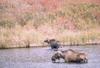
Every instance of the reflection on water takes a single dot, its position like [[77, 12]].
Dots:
[[41, 58]]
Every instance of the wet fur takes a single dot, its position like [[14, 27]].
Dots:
[[53, 43], [70, 56]]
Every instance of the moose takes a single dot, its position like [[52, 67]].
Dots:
[[70, 56], [53, 43]]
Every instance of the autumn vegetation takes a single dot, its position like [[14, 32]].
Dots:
[[25, 23]]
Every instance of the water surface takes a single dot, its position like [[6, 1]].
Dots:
[[41, 58]]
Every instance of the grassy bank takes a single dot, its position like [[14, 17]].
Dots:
[[24, 37], [70, 24]]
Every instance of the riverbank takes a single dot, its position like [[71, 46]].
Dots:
[[20, 37], [62, 45], [70, 23]]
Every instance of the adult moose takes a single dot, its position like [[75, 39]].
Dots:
[[70, 56]]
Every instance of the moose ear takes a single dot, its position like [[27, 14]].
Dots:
[[47, 41]]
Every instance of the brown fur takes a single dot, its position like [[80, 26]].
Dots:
[[71, 56]]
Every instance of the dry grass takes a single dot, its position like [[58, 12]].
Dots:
[[83, 37], [71, 24], [24, 37], [18, 37]]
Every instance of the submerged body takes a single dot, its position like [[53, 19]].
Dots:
[[70, 56], [54, 44]]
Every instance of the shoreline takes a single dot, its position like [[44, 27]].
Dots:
[[63, 45]]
